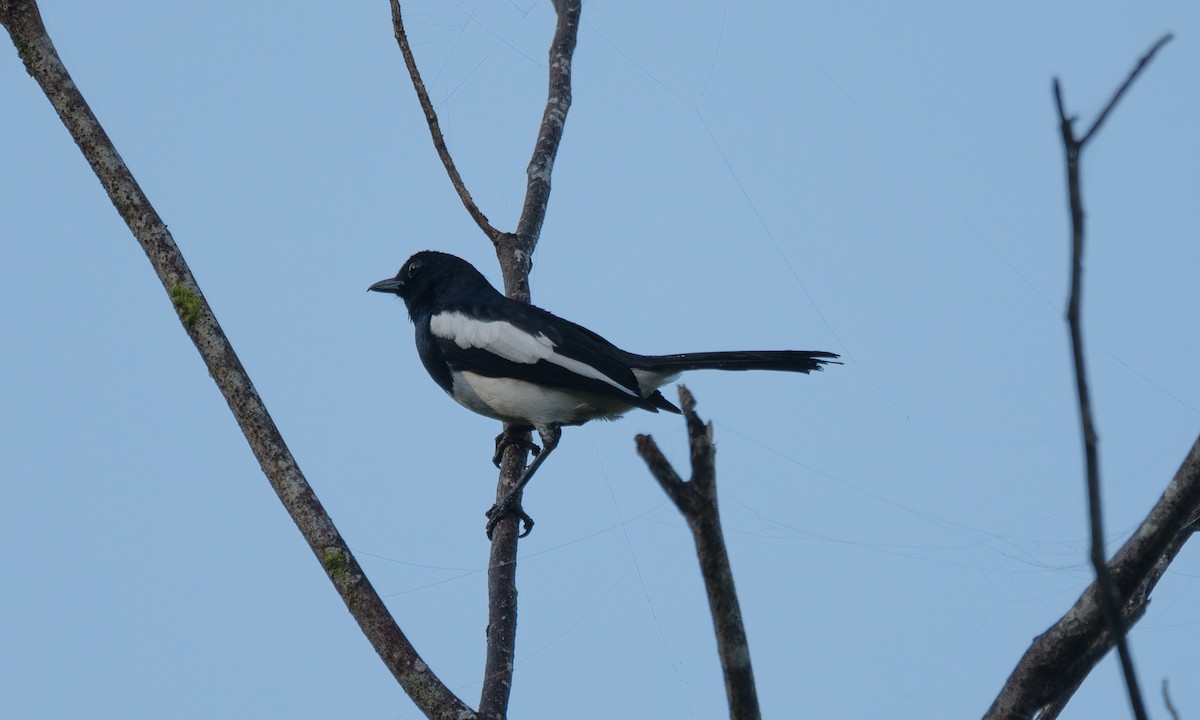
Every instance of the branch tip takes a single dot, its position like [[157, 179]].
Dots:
[[687, 401], [435, 130], [696, 499], [1133, 75]]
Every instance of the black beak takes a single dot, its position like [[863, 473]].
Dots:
[[391, 285]]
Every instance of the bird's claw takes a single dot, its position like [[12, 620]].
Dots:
[[504, 508], [505, 439]]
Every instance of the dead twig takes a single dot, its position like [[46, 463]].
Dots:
[[1110, 603], [435, 130], [1058, 660], [1167, 701], [697, 500]]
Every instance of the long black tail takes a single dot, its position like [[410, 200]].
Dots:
[[802, 361]]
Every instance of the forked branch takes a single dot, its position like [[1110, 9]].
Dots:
[[1058, 661], [514, 251], [1110, 602], [697, 500]]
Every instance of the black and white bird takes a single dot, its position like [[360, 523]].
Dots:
[[520, 364]]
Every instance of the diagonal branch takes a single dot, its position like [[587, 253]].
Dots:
[[435, 129], [1137, 70], [1099, 646], [23, 21], [1059, 659], [697, 500]]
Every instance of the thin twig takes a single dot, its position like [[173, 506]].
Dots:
[[1110, 602], [1116, 608], [435, 129], [1166, 691], [1142, 62], [697, 500], [23, 21]]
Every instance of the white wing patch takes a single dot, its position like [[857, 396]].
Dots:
[[511, 343], [499, 338]]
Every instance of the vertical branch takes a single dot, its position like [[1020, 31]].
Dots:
[[1058, 660], [697, 500], [23, 21], [1110, 602], [502, 589], [558, 102], [514, 251], [502, 600]]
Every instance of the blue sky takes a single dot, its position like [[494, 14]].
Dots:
[[877, 180]]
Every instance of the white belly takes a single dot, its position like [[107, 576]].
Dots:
[[519, 401]]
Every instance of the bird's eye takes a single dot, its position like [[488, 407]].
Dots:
[[414, 268]]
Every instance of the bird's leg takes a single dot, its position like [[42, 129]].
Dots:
[[513, 435], [510, 504]]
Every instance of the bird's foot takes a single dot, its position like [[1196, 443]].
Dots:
[[517, 438], [504, 508]]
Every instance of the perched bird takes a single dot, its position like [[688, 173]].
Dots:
[[520, 364]]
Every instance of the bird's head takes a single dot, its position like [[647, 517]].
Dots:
[[429, 279]]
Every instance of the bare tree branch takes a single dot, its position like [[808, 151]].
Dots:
[[697, 500], [502, 600], [435, 129], [23, 21], [1110, 603], [514, 251], [1137, 70], [558, 102], [1059, 659], [1166, 692], [1099, 646]]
